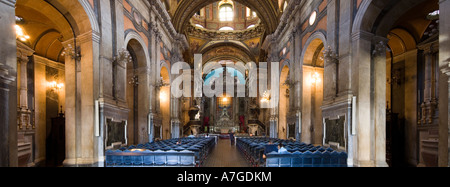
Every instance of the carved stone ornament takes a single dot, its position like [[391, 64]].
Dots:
[[379, 49]]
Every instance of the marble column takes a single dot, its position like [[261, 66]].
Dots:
[[361, 55], [297, 83], [8, 91], [444, 81], [174, 113], [151, 85], [380, 76], [5, 81], [330, 76], [70, 110]]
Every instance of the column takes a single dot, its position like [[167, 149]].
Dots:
[[5, 81], [330, 75], [444, 81], [175, 104], [297, 86], [86, 136], [70, 110], [330, 56], [23, 112], [362, 43], [151, 81], [379, 58], [122, 59], [8, 85]]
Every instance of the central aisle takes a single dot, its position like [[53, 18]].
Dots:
[[225, 155]]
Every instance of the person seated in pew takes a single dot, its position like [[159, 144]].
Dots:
[[281, 149], [269, 148]]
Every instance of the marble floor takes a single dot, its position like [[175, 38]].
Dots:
[[225, 155]]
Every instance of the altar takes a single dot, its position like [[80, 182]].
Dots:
[[225, 124]]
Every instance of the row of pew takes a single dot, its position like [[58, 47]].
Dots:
[[297, 155], [184, 152]]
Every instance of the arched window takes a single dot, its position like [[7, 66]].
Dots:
[[198, 25], [226, 12], [251, 26], [226, 29]]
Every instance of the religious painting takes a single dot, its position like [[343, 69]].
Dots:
[[196, 44], [335, 131], [115, 132], [253, 44]]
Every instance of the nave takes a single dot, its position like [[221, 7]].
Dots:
[[79, 79], [226, 155]]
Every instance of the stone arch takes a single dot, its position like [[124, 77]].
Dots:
[[285, 63], [79, 27], [316, 36], [138, 44], [164, 64], [368, 16]]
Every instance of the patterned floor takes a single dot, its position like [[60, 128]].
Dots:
[[225, 155]]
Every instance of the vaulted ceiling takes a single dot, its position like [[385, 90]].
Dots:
[[267, 10], [244, 44]]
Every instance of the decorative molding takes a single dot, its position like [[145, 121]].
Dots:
[[50, 63], [11, 3], [225, 35], [165, 20], [91, 15], [379, 49], [23, 52], [362, 35], [89, 36]]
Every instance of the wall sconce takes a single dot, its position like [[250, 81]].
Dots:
[[55, 86], [20, 34], [266, 98], [134, 81], [74, 54], [162, 96]]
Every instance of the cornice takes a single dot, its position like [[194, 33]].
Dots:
[[229, 35], [165, 21]]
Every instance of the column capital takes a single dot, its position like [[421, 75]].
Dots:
[[88, 36], [23, 52], [362, 35], [379, 48]]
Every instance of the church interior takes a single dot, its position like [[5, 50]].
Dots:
[[365, 81]]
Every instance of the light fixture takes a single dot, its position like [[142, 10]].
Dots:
[[265, 98], [225, 99], [315, 78], [313, 18], [433, 15], [55, 86], [162, 96], [72, 52], [20, 34]]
